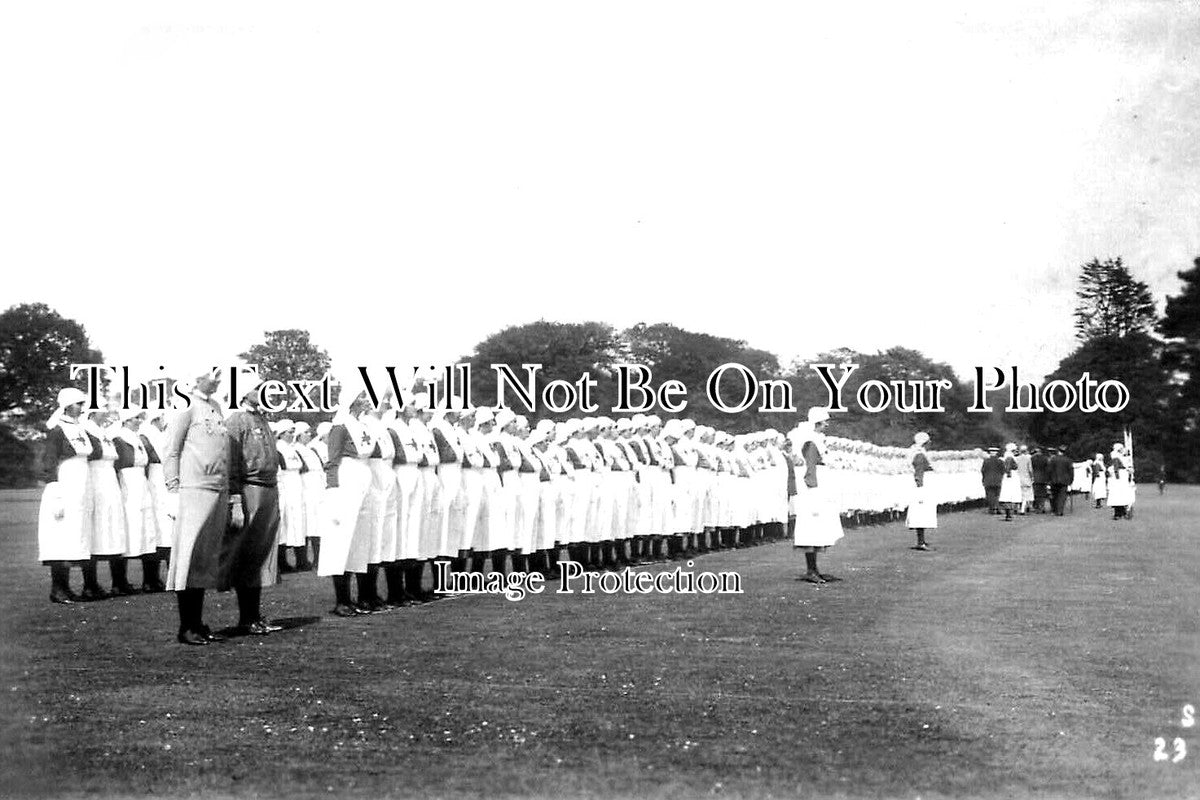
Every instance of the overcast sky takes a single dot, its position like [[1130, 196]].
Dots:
[[404, 179]]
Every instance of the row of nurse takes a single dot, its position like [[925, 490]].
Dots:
[[105, 499]]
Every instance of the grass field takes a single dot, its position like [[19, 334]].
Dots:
[[1040, 658]]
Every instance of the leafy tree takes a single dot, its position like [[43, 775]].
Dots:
[[37, 349], [1111, 302], [564, 350], [1181, 325], [286, 355], [672, 353], [952, 428], [1135, 361]]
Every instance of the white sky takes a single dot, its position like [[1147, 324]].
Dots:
[[403, 179]]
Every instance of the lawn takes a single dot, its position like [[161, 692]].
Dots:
[[1040, 658]]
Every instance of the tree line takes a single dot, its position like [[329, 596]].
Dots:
[[1120, 336]]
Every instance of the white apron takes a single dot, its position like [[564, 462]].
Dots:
[[818, 523], [163, 522], [293, 522], [345, 539], [408, 509], [313, 482], [108, 505], [922, 505]]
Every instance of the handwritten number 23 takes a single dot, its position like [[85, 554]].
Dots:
[[1161, 754]]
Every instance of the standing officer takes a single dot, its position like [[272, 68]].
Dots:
[[196, 470], [248, 558]]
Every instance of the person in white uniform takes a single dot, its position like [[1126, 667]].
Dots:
[[818, 520], [922, 507], [141, 525], [65, 514]]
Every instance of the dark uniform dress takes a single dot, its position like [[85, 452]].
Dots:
[[249, 557]]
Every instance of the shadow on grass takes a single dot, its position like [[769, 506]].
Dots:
[[287, 623]]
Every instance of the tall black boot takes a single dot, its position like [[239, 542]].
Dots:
[[368, 590], [315, 541], [151, 581], [412, 581], [302, 562], [60, 583], [921, 540], [91, 581], [284, 566], [119, 568], [249, 605], [393, 573], [343, 603], [810, 561], [499, 559], [189, 618], [552, 562]]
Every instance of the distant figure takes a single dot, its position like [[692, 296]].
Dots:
[[1025, 474], [1162, 478], [1010, 485], [922, 510], [993, 476], [1039, 462], [1062, 475], [1120, 486], [1099, 480]]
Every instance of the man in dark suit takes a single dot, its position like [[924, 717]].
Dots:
[[1062, 475], [1039, 463], [993, 475]]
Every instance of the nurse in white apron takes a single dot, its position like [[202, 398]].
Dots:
[[1010, 487], [153, 435], [411, 497], [1099, 480], [313, 479], [922, 506], [65, 515], [345, 524], [1120, 486], [818, 521], [141, 525], [293, 521], [108, 511]]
